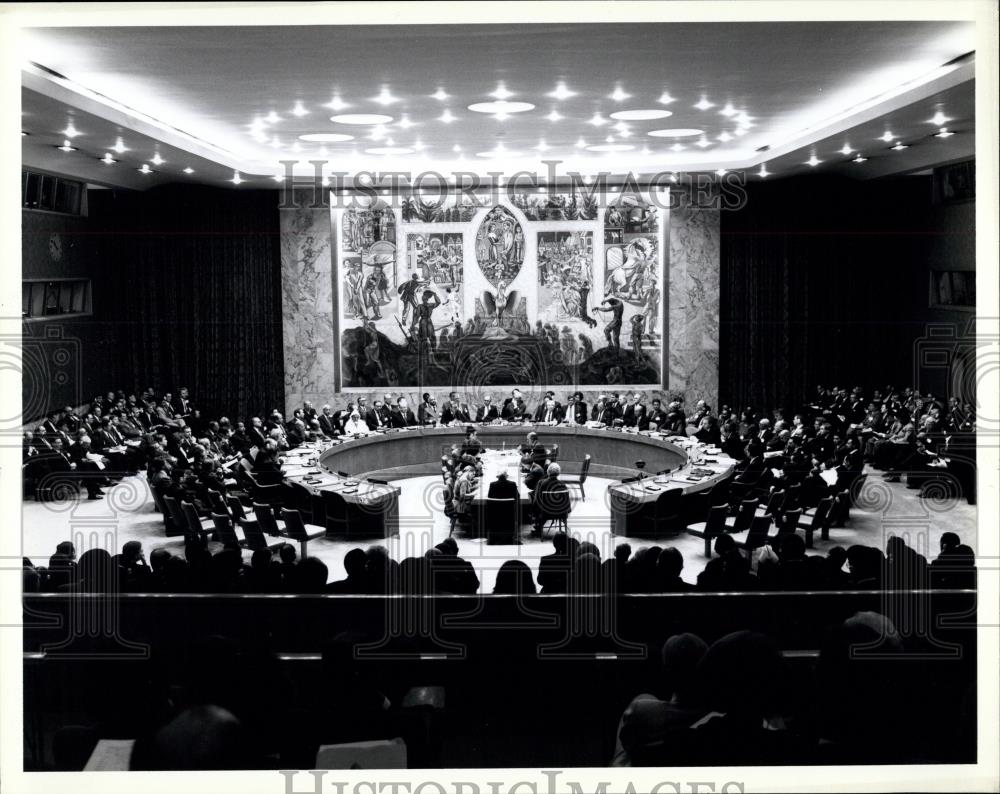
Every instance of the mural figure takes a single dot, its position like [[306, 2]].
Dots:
[[498, 256], [437, 257], [613, 330], [556, 206]]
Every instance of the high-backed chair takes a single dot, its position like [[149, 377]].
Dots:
[[255, 539], [296, 529], [268, 524], [712, 527], [818, 520], [774, 504], [225, 531], [666, 514], [501, 521], [744, 516], [337, 516], [786, 523], [756, 536], [577, 482], [196, 526]]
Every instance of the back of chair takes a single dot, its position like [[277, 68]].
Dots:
[[774, 502], [792, 497], [822, 514], [789, 520], [745, 515], [265, 519], [585, 470], [252, 532], [716, 523], [668, 503], [224, 529], [759, 528], [191, 518], [295, 527], [335, 504], [500, 516], [216, 501], [236, 508], [174, 510]]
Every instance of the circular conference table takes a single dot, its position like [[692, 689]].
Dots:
[[360, 469]]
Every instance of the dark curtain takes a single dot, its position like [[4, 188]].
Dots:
[[191, 287], [823, 281]]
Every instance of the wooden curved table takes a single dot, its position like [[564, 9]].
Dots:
[[417, 451]]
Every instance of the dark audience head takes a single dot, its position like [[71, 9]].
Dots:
[[622, 552], [131, 551], [514, 578], [949, 541], [670, 563], [354, 563], [96, 571], [260, 559], [67, 549], [837, 556], [448, 547], [204, 737], [311, 574], [158, 559], [586, 547], [560, 541], [791, 547], [680, 657], [740, 674], [724, 544], [287, 553]]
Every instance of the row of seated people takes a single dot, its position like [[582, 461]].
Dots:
[[734, 701], [573, 567]]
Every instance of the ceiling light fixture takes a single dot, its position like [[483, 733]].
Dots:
[[561, 92], [502, 93], [108, 159], [665, 98], [676, 132], [405, 123], [763, 172], [899, 147], [703, 142], [120, 146], [555, 115], [384, 97], [642, 114], [542, 146], [846, 150], [725, 137], [440, 95], [598, 120], [721, 172], [299, 110], [418, 145], [272, 118], [813, 161], [744, 120], [678, 147], [446, 117], [325, 137], [189, 170], [944, 132], [237, 179], [860, 159], [361, 119], [501, 107], [580, 143], [157, 160], [729, 111], [456, 148], [66, 147], [145, 169], [704, 104], [887, 136], [71, 131], [938, 119], [619, 95], [336, 103]]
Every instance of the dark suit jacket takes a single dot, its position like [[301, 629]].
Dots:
[[450, 413], [541, 411], [633, 414], [400, 419], [578, 413], [545, 503], [256, 437], [327, 425], [537, 453], [602, 415], [428, 414], [503, 489], [658, 416], [514, 412], [553, 573], [487, 415]]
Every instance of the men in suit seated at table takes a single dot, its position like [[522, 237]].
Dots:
[[376, 417], [635, 412], [549, 412], [472, 446], [576, 411], [548, 496], [401, 415], [427, 413], [327, 423], [514, 408], [487, 412], [533, 458], [601, 415], [455, 411]]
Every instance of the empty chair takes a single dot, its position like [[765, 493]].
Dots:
[[744, 516], [236, 508], [274, 495], [818, 520], [301, 499], [178, 523], [195, 526], [666, 514], [787, 522], [268, 524], [225, 531], [217, 503], [255, 539], [296, 529], [577, 482], [710, 529], [792, 497], [774, 504], [335, 506], [756, 536]]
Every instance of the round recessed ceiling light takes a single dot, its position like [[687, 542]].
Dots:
[[389, 150], [501, 106], [641, 115], [610, 147], [361, 118], [492, 153], [678, 132], [325, 137]]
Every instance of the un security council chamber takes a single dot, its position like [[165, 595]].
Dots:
[[499, 395]]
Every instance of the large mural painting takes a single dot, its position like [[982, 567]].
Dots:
[[466, 294]]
